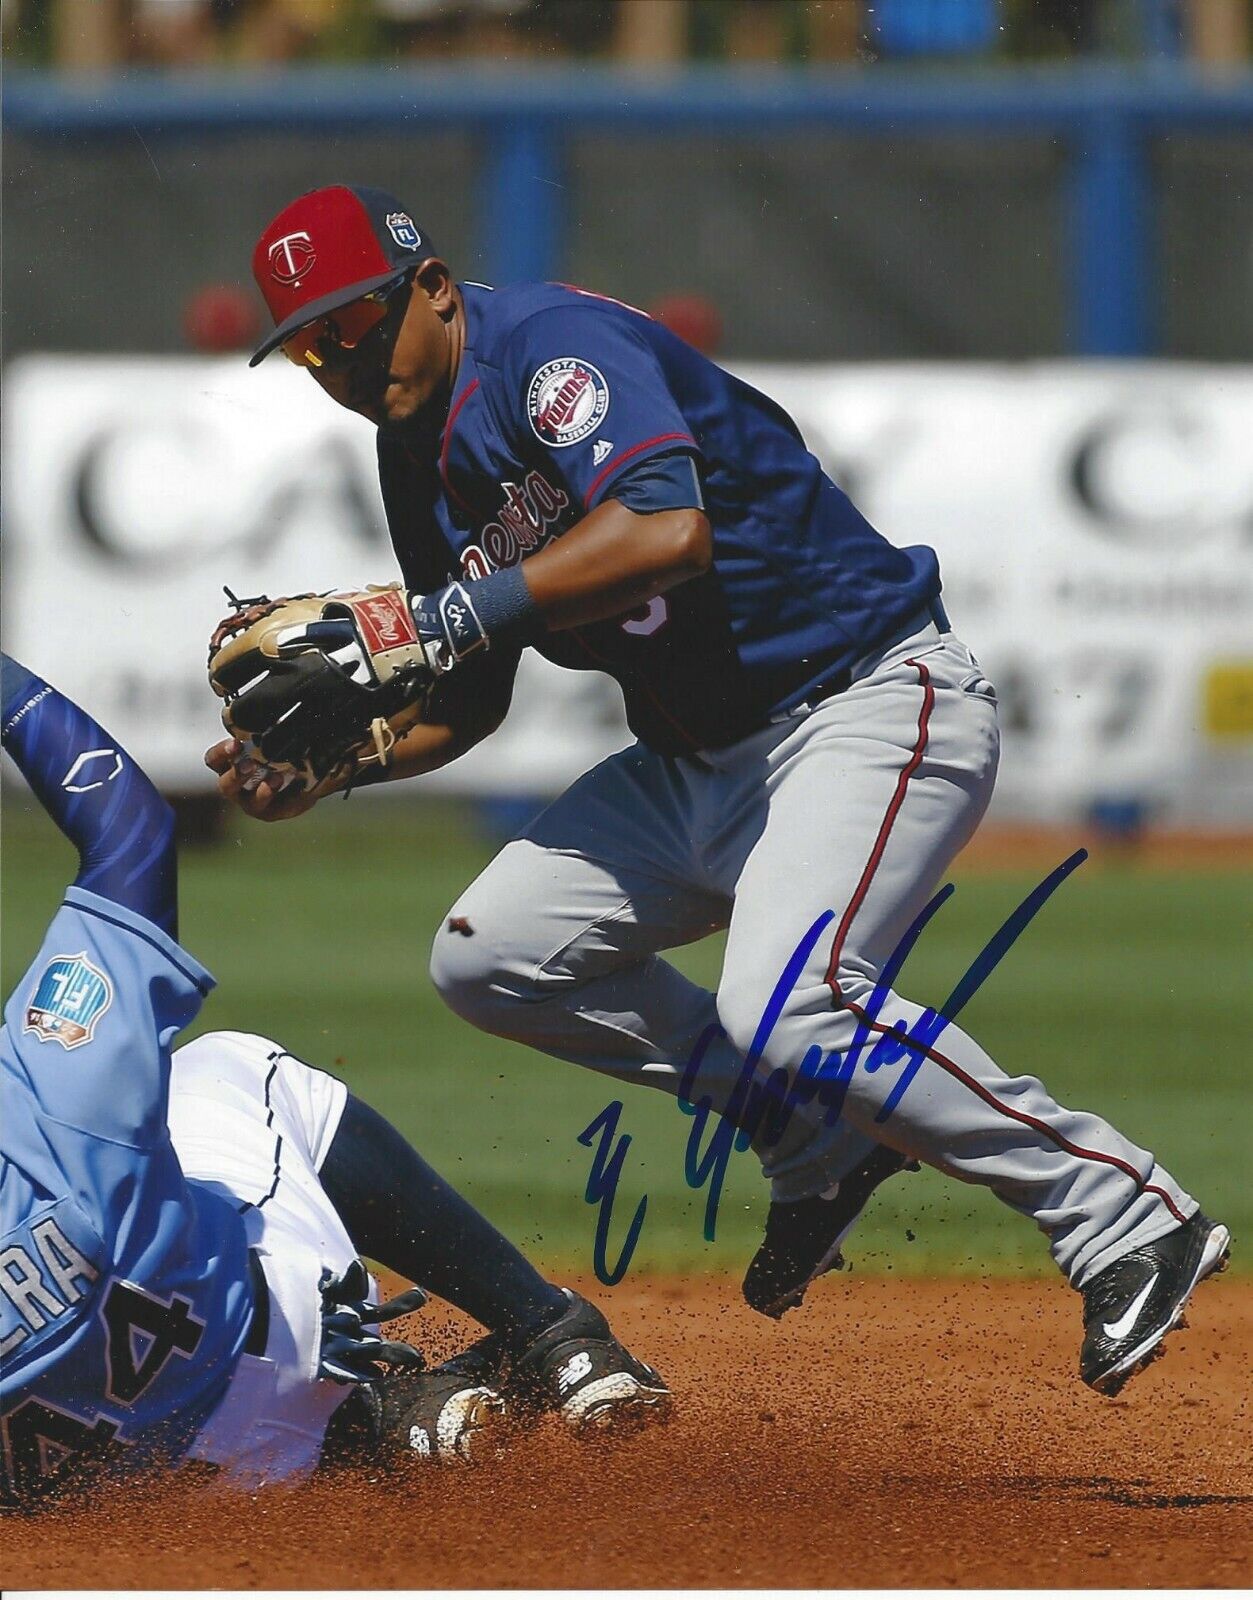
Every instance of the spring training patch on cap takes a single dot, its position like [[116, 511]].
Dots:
[[400, 226], [69, 1000], [567, 400]]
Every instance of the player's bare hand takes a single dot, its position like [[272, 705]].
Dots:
[[240, 782]]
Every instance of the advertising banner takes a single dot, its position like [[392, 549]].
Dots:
[[1094, 524]]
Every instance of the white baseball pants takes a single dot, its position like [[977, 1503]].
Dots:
[[853, 809], [255, 1123]]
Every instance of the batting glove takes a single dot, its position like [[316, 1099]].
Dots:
[[352, 1350]]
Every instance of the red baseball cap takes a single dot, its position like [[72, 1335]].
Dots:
[[329, 247]]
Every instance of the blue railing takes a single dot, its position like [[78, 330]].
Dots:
[[1104, 117]]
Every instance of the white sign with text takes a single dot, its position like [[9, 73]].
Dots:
[[1094, 524]]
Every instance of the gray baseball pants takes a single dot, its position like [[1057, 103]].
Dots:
[[854, 808]]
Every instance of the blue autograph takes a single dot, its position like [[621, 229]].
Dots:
[[602, 1190], [818, 1078]]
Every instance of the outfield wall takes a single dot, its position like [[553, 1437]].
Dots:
[[981, 213], [1094, 524]]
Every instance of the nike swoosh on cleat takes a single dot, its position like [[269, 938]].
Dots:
[[1125, 1323]]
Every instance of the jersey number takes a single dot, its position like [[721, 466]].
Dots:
[[143, 1333], [40, 1439], [648, 619]]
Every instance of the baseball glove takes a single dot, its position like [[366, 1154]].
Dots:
[[318, 686]]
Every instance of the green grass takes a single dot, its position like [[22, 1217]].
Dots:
[[1129, 994]]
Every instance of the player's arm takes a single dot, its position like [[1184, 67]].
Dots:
[[619, 556], [636, 472], [589, 398], [614, 560], [105, 805], [650, 536], [464, 708], [645, 530], [109, 984]]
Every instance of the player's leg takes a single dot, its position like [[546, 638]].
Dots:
[[572, 1366], [554, 944], [547, 1349], [884, 784], [321, 1177], [400, 1212]]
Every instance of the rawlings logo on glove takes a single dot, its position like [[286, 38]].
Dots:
[[318, 686]]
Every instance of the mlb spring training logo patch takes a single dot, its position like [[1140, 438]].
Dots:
[[400, 226], [567, 400], [69, 1000]]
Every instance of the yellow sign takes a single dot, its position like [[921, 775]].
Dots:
[[1228, 693]]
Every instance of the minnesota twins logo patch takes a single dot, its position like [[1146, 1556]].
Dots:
[[69, 1000], [567, 400]]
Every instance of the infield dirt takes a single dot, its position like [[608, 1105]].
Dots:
[[891, 1433]]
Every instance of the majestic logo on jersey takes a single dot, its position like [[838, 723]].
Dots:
[[601, 449], [523, 524], [69, 1000], [567, 400], [400, 226], [291, 257]]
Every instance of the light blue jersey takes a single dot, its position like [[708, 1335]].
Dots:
[[125, 1294]]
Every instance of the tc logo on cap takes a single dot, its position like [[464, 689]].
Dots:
[[291, 257]]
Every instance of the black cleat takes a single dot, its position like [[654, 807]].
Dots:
[[453, 1413], [1130, 1307], [577, 1369], [803, 1237]]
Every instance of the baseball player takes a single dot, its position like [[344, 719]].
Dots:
[[179, 1236], [814, 745]]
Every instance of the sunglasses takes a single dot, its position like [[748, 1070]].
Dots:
[[341, 330]]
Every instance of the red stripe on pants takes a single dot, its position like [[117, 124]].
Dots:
[[942, 1061], [885, 828], [986, 1095]]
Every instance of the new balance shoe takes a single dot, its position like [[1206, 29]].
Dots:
[[803, 1237], [1130, 1307], [576, 1368], [453, 1413]]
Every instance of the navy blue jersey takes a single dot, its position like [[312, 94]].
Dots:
[[125, 1298], [559, 393]]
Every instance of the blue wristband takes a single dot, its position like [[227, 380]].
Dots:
[[465, 617], [505, 606]]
